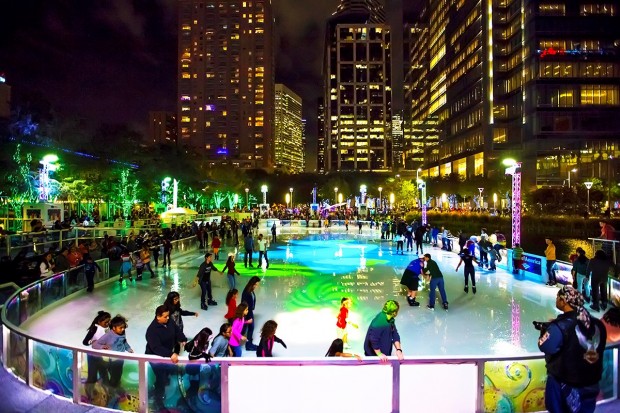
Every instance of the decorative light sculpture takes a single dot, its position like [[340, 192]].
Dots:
[[422, 188], [514, 169], [48, 165]]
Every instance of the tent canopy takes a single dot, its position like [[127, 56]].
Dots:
[[178, 211]]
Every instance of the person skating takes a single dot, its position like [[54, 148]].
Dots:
[[411, 280], [469, 270], [203, 277], [550, 256], [433, 270]]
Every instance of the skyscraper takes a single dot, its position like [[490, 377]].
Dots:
[[226, 80], [534, 81], [162, 128], [357, 89], [288, 136]]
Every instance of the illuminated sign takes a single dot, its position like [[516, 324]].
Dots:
[[550, 51], [222, 151]]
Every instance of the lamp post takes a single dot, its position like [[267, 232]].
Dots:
[[247, 198], [335, 195], [588, 186], [494, 201], [514, 169], [291, 191], [288, 199], [572, 170], [422, 189], [263, 189], [417, 174], [481, 199], [380, 201]]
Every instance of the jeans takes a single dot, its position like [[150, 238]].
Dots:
[[116, 372], [96, 365], [167, 256], [162, 379], [248, 253], [231, 281], [205, 290], [435, 283], [237, 350], [90, 281], [492, 263], [470, 272], [147, 266], [583, 284], [560, 397], [262, 254], [599, 291], [551, 271]]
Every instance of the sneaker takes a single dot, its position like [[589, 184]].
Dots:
[[466, 289], [430, 307], [445, 306], [473, 289], [211, 302]]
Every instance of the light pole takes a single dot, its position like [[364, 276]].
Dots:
[[247, 198], [572, 170], [288, 199], [335, 195], [514, 169], [588, 186], [291, 191], [380, 201], [417, 174], [263, 189], [481, 199], [494, 201], [422, 189]]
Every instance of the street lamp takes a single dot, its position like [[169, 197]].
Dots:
[[247, 198], [417, 174], [380, 201], [291, 191], [288, 199], [263, 189], [335, 195], [572, 170], [494, 201], [588, 186]]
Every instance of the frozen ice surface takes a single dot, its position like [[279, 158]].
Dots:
[[307, 276]]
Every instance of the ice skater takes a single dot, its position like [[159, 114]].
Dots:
[[411, 280], [469, 269], [436, 275], [342, 321]]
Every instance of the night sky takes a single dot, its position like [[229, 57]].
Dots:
[[113, 61]]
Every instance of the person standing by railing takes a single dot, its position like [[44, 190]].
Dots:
[[550, 256], [382, 334]]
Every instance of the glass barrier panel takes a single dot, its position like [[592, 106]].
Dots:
[[200, 387], [76, 280], [29, 303], [17, 356], [314, 388], [12, 310], [608, 389], [164, 389], [515, 386], [460, 381], [52, 289], [109, 382], [53, 369], [104, 274]]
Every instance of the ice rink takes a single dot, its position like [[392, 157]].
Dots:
[[301, 291]]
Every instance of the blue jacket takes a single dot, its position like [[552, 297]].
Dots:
[[114, 341], [381, 335]]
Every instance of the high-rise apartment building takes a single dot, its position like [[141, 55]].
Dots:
[[534, 81], [226, 80], [162, 128], [288, 136], [320, 139], [358, 89]]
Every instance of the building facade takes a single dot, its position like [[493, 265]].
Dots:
[[357, 89], [534, 81], [226, 81], [5, 98], [162, 128], [288, 131]]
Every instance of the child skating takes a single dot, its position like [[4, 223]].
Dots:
[[343, 321]]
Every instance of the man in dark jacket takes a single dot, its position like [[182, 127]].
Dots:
[[248, 244], [203, 277], [433, 270], [573, 344], [382, 334], [161, 337], [62, 261]]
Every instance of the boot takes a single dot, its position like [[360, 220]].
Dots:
[[473, 289], [466, 289], [414, 303]]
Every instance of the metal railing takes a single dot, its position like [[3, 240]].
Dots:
[[273, 384]]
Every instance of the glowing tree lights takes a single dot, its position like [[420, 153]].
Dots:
[[45, 189], [514, 169]]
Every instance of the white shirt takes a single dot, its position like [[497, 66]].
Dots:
[[262, 245]]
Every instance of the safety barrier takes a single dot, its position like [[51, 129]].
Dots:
[[455, 384]]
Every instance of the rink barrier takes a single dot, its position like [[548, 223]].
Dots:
[[463, 384]]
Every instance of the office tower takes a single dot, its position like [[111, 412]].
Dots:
[[288, 131], [162, 128], [320, 140], [226, 81], [394, 13], [357, 89], [537, 82], [5, 98]]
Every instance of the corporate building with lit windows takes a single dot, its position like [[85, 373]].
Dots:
[[535, 81], [288, 131], [162, 128], [357, 89], [226, 81]]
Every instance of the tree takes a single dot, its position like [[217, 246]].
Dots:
[[125, 191], [21, 188]]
